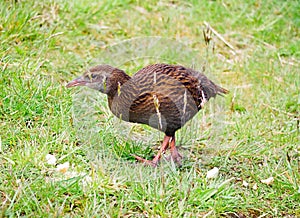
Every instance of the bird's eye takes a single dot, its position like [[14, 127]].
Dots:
[[91, 76]]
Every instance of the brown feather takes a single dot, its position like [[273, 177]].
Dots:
[[180, 93]]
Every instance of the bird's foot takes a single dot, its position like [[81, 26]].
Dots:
[[152, 163], [176, 156]]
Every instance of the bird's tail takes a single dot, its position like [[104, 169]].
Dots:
[[221, 91]]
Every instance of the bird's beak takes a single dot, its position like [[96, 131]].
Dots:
[[77, 82]]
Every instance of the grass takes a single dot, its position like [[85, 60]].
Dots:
[[250, 135]]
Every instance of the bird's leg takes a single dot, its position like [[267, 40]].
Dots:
[[155, 160], [174, 152]]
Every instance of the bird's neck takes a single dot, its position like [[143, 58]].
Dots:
[[122, 96], [120, 88], [114, 83]]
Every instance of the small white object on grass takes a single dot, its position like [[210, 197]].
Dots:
[[254, 186], [63, 168], [268, 181], [87, 180], [51, 159], [245, 184], [213, 173]]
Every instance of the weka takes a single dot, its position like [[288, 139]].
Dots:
[[162, 96]]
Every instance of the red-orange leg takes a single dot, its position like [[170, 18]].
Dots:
[[156, 159], [174, 152]]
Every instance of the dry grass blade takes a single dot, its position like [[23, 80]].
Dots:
[[208, 26]]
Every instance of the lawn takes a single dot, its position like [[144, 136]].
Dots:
[[252, 135]]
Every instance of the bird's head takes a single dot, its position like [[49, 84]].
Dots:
[[103, 78]]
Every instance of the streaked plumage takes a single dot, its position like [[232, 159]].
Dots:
[[162, 96]]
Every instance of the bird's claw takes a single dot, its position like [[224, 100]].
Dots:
[[176, 157], [144, 161]]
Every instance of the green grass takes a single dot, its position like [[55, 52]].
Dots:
[[250, 135]]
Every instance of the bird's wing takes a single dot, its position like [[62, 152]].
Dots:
[[166, 78]]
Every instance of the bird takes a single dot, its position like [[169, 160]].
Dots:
[[163, 96]]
